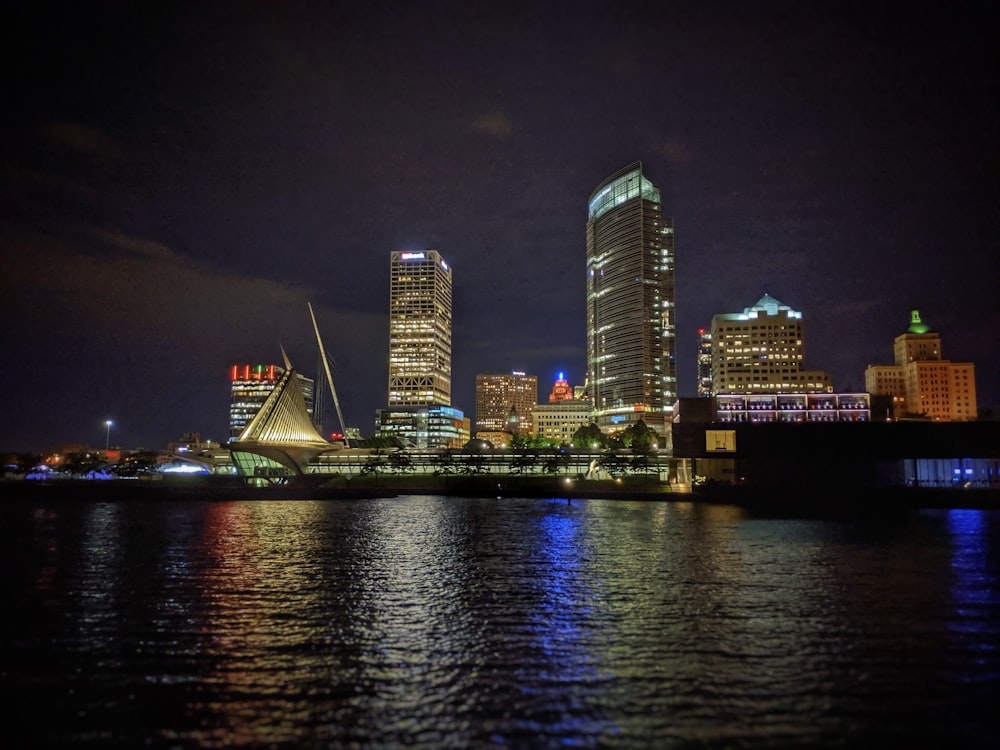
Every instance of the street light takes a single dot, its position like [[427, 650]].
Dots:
[[107, 439]]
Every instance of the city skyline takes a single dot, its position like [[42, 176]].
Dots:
[[182, 180]]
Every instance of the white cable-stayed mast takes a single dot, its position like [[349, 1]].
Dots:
[[329, 377]]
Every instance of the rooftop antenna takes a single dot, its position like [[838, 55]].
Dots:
[[329, 377]]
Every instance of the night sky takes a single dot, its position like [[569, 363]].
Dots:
[[180, 179]]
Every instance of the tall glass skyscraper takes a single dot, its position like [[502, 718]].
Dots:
[[631, 336], [419, 329]]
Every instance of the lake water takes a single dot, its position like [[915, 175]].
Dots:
[[441, 622]]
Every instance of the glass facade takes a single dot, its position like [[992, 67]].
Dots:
[[423, 426], [631, 338]]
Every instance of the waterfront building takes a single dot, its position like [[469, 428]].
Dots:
[[191, 455], [420, 327], [419, 408], [704, 361], [761, 350], [428, 426], [631, 368], [921, 383], [560, 419], [250, 385], [503, 405], [728, 440], [793, 407]]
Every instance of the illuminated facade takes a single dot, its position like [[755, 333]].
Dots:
[[419, 406], [793, 407], [281, 440], [761, 350], [704, 362], [503, 406], [250, 385], [921, 383], [431, 426], [561, 390], [560, 419], [419, 329], [631, 338]]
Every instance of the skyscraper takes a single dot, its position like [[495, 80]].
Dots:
[[419, 329], [504, 404], [419, 404], [761, 350], [631, 337], [922, 383]]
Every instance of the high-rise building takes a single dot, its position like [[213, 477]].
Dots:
[[419, 329], [561, 390], [921, 383], [761, 350], [503, 406], [704, 360], [419, 404], [250, 385], [631, 337]]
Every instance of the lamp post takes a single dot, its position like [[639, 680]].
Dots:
[[107, 438]]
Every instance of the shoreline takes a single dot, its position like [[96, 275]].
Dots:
[[789, 497]]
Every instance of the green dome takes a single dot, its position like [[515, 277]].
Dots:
[[916, 325]]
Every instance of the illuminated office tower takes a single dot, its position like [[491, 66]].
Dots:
[[419, 411], [922, 383], [631, 337], [503, 406], [250, 385], [419, 329], [761, 350], [561, 390]]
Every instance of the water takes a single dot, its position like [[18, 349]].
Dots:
[[433, 622]]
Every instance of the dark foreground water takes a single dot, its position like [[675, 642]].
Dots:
[[433, 622]]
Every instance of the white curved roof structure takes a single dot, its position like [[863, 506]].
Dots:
[[282, 430]]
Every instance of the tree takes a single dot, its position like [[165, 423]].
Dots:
[[554, 461], [639, 436], [589, 436], [81, 464], [520, 441], [640, 463], [444, 463], [400, 461], [473, 463], [140, 462], [523, 462], [374, 464], [614, 463]]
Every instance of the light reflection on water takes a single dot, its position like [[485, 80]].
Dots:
[[450, 622]]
